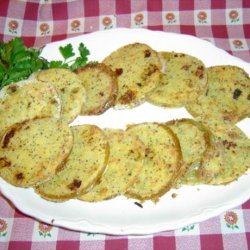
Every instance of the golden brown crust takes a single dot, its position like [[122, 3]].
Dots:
[[124, 165], [69, 89], [202, 127], [180, 170], [135, 68], [138, 70], [105, 92], [26, 100], [33, 161], [161, 167], [83, 168], [228, 157], [184, 79], [227, 97], [195, 142]]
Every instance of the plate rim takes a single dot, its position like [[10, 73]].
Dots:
[[134, 231]]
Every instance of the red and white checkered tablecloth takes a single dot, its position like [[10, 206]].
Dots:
[[224, 23]]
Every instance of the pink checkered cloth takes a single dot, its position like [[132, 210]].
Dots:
[[224, 23]]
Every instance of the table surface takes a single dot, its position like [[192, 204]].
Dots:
[[224, 23]]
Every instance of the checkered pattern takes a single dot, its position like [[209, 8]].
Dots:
[[224, 23], [25, 233]]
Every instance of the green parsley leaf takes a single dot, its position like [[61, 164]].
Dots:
[[16, 46], [2, 71], [39, 63], [57, 64], [82, 59], [79, 62], [84, 52], [18, 62], [15, 75], [19, 57], [67, 51]]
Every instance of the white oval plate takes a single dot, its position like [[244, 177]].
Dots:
[[121, 216]]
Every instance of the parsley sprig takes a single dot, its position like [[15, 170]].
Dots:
[[68, 53], [18, 62]]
